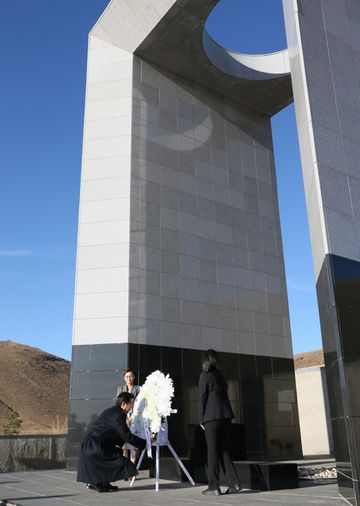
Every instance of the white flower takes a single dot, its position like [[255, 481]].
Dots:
[[152, 403]]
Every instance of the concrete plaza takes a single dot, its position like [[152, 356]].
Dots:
[[58, 487]]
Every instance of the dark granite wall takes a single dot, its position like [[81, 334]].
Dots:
[[261, 390], [338, 290]]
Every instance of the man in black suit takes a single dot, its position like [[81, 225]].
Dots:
[[215, 415], [101, 459]]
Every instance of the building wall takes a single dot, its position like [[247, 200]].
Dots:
[[101, 307], [102, 270], [324, 49], [206, 254], [313, 405]]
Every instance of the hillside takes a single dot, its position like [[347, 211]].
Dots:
[[309, 359], [36, 385]]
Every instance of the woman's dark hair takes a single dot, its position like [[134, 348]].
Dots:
[[129, 370], [209, 360], [124, 397]]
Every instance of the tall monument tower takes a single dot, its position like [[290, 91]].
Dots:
[[179, 245]]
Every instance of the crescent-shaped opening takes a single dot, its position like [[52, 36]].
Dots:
[[243, 65]]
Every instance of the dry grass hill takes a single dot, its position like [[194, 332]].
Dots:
[[309, 359], [35, 384]]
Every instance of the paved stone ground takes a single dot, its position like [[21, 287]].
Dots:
[[59, 488]]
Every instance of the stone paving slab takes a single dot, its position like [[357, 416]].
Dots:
[[59, 488]]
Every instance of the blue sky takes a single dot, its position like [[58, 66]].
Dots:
[[43, 64]]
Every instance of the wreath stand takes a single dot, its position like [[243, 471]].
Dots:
[[162, 439]]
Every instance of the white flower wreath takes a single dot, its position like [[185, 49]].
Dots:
[[152, 404]]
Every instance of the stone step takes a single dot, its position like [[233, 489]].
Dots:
[[253, 475]]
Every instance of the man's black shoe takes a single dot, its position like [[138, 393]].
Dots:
[[211, 491], [234, 490], [111, 488], [99, 487]]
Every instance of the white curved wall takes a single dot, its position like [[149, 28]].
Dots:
[[246, 66]]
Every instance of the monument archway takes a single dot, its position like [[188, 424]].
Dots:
[[179, 245]]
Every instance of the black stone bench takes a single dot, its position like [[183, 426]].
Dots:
[[253, 475]]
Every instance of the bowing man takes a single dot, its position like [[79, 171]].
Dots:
[[101, 460]]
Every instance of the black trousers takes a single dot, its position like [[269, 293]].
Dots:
[[217, 434]]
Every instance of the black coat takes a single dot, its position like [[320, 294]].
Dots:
[[101, 457], [214, 402]]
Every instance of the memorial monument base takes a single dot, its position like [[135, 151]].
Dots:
[[253, 475]]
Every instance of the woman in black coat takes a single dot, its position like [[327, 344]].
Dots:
[[101, 459], [215, 414]]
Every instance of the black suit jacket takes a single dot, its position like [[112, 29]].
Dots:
[[101, 459], [110, 430], [214, 402]]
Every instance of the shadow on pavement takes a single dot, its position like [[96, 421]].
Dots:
[[36, 497], [317, 483]]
